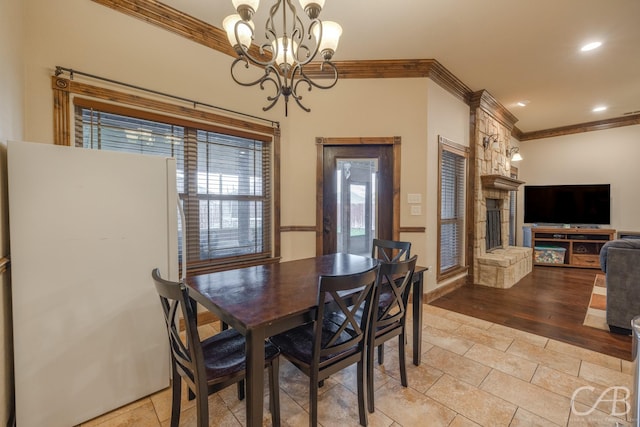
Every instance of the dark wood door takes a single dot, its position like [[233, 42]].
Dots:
[[357, 197]]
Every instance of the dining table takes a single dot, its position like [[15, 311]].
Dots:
[[264, 300]]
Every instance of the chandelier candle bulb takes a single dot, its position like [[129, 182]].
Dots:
[[331, 32], [284, 51], [245, 31]]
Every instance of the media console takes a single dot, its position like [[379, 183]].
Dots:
[[573, 247]]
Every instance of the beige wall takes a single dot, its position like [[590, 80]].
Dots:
[[11, 118], [601, 157], [98, 40]]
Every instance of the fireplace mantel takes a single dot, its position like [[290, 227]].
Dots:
[[500, 182]]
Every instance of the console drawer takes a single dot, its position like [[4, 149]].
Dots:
[[584, 260]]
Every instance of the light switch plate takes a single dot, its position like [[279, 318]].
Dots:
[[414, 198], [416, 210]]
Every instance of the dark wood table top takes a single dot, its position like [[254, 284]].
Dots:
[[254, 297]]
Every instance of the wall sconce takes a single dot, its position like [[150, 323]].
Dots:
[[487, 140], [514, 154]]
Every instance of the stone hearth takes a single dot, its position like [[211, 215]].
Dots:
[[503, 268]]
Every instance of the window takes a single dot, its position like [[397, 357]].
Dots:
[[451, 207], [223, 177]]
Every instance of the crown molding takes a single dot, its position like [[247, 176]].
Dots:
[[400, 68], [376, 69], [448, 81], [485, 101], [516, 133], [615, 122], [177, 22]]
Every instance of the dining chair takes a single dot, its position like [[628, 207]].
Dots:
[[389, 251], [210, 365], [390, 316], [336, 338]]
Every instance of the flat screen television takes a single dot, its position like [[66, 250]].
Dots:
[[567, 204]]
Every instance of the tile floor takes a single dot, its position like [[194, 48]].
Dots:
[[473, 373]]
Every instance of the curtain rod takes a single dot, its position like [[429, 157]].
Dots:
[[71, 71]]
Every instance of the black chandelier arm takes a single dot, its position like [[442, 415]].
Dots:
[[277, 82], [296, 96], [311, 54], [243, 51], [272, 12], [298, 74], [303, 54], [298, 34], [333, 81], [271, 76], [243, 60], [297, 22], [270, 31]]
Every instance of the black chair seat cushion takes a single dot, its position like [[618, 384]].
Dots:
[[386, 297], [224, 354], [298, 342]]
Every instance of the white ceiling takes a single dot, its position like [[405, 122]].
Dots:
[[515, 49]]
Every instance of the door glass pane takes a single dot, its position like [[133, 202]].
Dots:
[[357, 204]]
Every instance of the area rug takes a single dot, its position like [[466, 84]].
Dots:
[[596, 316]]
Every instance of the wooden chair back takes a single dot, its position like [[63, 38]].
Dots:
[[393, 295], [187, 358], [390, 250], [345, 332]]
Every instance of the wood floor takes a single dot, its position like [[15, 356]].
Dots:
[[550, 301]]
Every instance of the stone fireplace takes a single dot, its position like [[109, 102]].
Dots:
[[495, 263]]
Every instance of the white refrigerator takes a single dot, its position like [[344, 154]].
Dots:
[[86, 229]]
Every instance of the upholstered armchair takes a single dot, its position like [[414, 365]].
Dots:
[[620, 260]]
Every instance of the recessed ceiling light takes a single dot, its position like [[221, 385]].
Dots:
[[599, 109], [590, 46]]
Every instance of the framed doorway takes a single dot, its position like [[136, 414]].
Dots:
[[358, 193]]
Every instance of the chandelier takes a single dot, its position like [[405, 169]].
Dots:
[[282, 58]]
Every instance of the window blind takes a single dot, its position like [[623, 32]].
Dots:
[[233, 192], [452, 210], [223, 179]]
